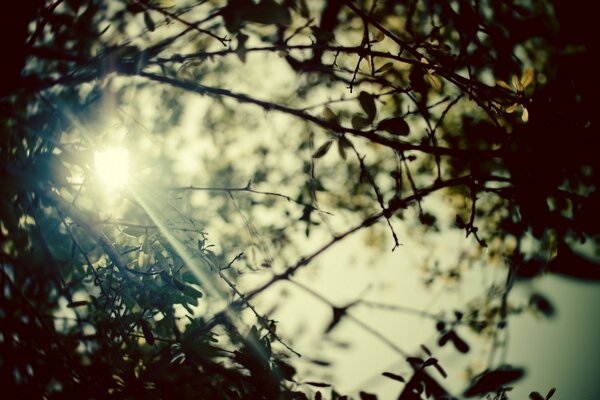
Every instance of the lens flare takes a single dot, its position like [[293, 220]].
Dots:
[[112, 167]]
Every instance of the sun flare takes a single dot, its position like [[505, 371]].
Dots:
[[112, 167]]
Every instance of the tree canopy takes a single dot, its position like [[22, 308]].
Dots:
[[166, 164]]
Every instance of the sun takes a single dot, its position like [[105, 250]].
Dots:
[[112, 167]]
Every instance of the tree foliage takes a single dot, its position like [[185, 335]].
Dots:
[[316, 120]]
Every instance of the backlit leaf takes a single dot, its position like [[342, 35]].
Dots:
[[528, 77]]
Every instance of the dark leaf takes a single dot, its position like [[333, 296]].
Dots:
[[490, 381], [542, 304], [338, 313], [318, 396], [426, 350], [535, 396], [367, 102], [77, 304], [318, 384], [148, 21], [286, 370], [147, 332], [395, 377], [550, 393], [341, 149], [321, 363], [460, 344], [367, 396], [440, 326], [267, 12], [359, 121], [439, 369], [395, 126], [431, 361], [241, 47], [321, 151]]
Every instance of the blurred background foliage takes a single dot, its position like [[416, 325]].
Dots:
[[258, 135]]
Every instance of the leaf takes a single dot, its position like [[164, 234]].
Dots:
[[490, 381], [525, 115], [148, 21], [143, 259], [439, 368], [384, 68], [512, 108], [367, 396], [321, 151], [516, 82], [80, 303], [341, 150], [367, 102], [542, 304], [359, 121], [240, 51], [550, 393], [192, 292], [460, 344], [329, 115], [528, 77], [321, 363], [267, 12], [379, 36], [302, 8], [318, 384], [434, 82], [395, 377], [134, 231], [504, 85], [147, 332], [430, 361], [395, 126], [338, 313], [286, 371], [535, 396]]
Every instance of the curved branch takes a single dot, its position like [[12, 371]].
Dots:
[[370, 135]]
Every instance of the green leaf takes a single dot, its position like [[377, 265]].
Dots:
[[367, 102], [321, 151], [395, 126]]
